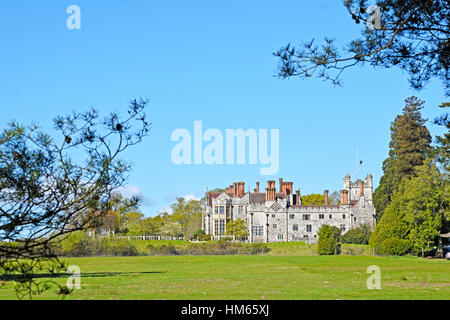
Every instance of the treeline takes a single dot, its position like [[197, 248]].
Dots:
[[124, 218], [412, 199]]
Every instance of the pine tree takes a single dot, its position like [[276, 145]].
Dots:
[[408, 149], [443, 147]]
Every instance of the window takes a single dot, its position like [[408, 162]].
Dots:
[[273, 215], [305, 236], [216, 226], [241, 209], [275, 226], [308, 228], [222, 227], [343, 216], [321, 216], [330, 216], [354, 218], [342, 227], [258, 230], [228, 209], [291, 216], [221, 209], [306, 217], [216, 210], [280, 237], [295, 227]]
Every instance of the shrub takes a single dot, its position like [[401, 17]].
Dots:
[[394, 247], [162, 250], [360, 235], [199, 234], [121, 248], [328, 240]]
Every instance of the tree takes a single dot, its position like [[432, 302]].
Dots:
[[172, 228], [425, 200], [237, 228], [334, 199], [111, 222], [443, 142], [389, 236], [199, 234], [419, 211], [188, 214], [328, 240], [313, 199], [132, 222], [411, 35], [408, 149], [49, 187]]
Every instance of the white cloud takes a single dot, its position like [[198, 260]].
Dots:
[[132, 191], [190, 197], [165, 209]]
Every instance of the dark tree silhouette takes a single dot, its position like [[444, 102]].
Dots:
[[49, 187], [410, 34]]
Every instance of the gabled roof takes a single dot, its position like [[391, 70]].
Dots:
[[211, 197]]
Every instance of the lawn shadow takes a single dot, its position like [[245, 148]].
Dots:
[[15, 277]]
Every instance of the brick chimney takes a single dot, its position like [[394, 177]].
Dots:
[[325, 193], [241, 189], [361, 184], [288, 187], [257, 187], [281, 185], [344, 197], [297, 198], [270, 190]]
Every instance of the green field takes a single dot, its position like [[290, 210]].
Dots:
[[254, 277]]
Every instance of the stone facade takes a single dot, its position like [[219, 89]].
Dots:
[[280, 216]]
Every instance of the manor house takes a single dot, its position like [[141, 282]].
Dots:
[[279, 215]]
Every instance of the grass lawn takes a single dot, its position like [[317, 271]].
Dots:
[[254, 277]]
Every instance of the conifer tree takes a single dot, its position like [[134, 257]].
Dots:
[[408, 149], [443, 147]]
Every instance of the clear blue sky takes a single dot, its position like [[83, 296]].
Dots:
[[203, 60]]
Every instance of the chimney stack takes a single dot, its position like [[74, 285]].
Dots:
[[241, 189], [297, 198], [270, 190], [257, 187], [288, 187], [345, 197], [281, 185], [325, 193]]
